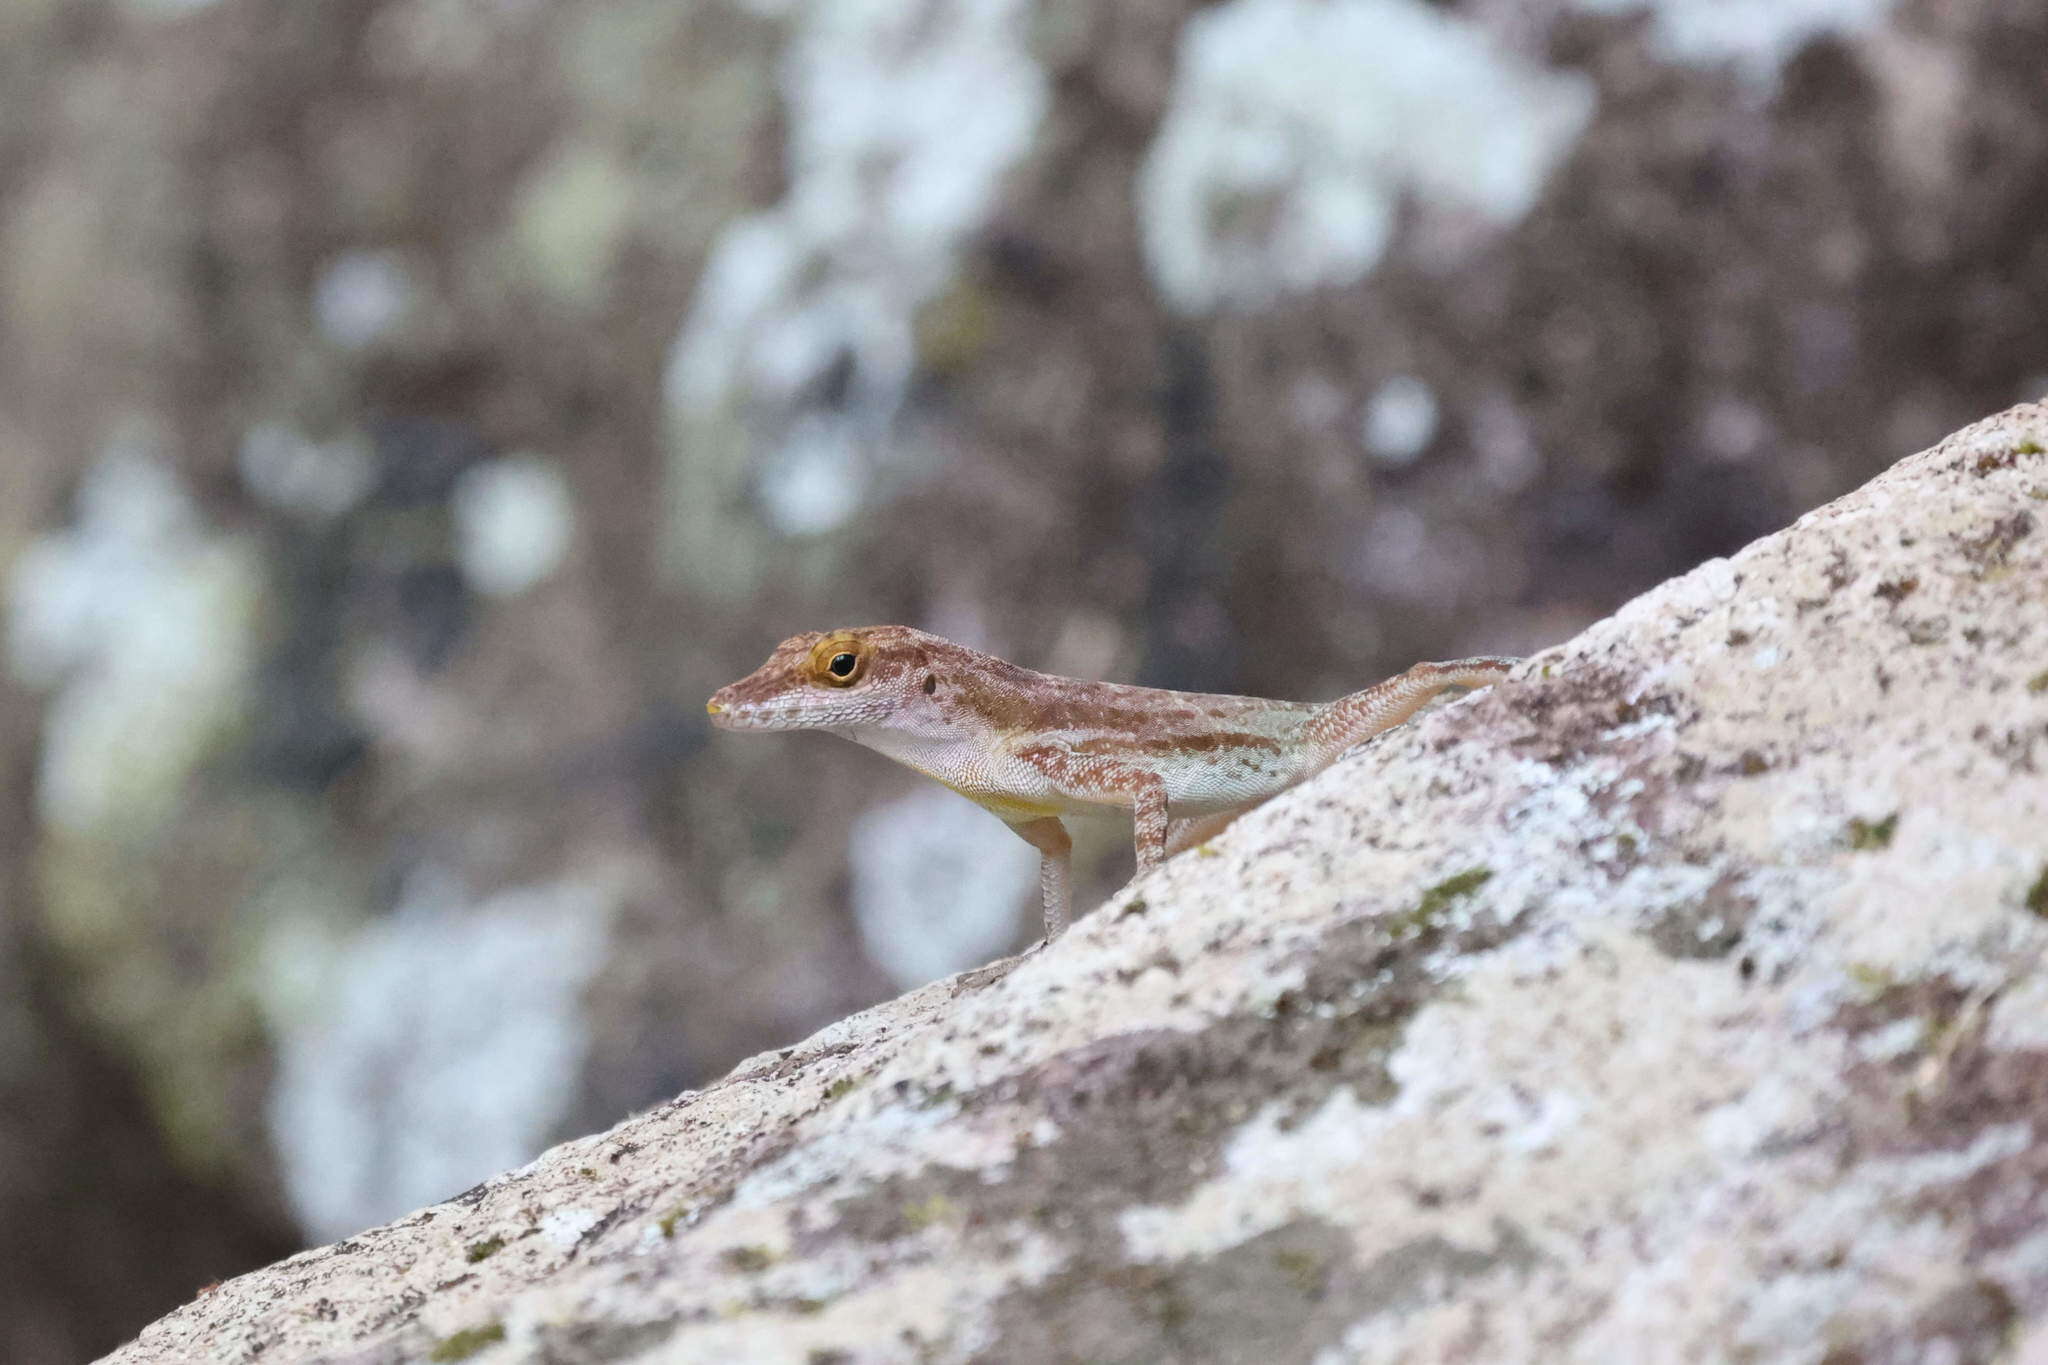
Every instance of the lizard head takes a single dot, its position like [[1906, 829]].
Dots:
[[826, 680]]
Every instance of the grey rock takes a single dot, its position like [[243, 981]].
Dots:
[[1680, 998]]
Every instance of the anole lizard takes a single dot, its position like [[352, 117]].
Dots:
[[1032, 747]]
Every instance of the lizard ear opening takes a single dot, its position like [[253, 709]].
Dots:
[[838, 661]]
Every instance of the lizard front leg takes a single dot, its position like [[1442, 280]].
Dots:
[[1107, 782], [1055, 862]]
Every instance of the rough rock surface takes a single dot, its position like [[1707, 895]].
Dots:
[[1681, 998]]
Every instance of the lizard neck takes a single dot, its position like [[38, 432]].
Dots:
[[911, 738]]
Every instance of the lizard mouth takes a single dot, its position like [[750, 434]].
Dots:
[[814, 711], [731, 715]]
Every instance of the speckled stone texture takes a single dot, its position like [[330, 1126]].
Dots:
[[1679, 999]]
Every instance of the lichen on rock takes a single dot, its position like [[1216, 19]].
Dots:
[[800, 343], [1575, 1020], [141, 620], [1296, 129]]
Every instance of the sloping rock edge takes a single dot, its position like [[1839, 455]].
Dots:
[[1680, 998]]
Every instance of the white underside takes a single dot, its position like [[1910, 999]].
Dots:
[[1198, 785]]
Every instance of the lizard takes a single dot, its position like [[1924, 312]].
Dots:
[[1035, 749]]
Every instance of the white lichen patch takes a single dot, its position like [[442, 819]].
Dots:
[[871, 1142], [564, 1228], [448, 1046], [920, 1302], [317, 480], [902, 123], [141, 619], [362, 297], [2019, 1017], [817, 478], [514, 520], [1296, 126], [1757, 37], [1400, 421], [937, 885]]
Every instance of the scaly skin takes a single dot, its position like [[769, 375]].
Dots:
[[1033, 748]]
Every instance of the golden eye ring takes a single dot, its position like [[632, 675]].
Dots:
[[838, 661]]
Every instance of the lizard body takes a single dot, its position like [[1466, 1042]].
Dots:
[[1034, 748]]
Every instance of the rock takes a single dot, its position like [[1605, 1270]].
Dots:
[[1681, 997]]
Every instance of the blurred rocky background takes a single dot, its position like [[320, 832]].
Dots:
[[411, 409]]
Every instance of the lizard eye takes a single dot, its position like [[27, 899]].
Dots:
[[840, 662]]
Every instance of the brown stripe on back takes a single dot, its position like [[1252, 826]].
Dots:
[[1010, 698], [1019, 701]]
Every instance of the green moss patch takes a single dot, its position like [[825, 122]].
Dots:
[[929, 1212], [1436, 901], [466, 1343], [747, 1260], [1870, 834]]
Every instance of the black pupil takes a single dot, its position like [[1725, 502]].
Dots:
[[841, 665]]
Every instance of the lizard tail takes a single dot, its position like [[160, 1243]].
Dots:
[[1350, 721]]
